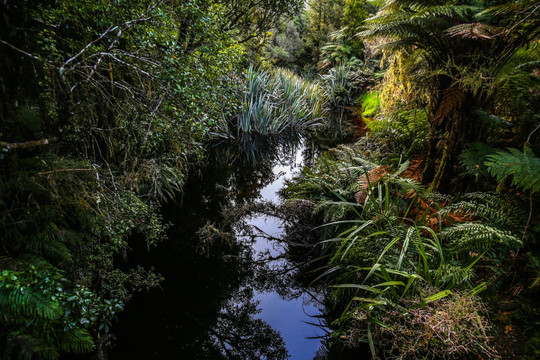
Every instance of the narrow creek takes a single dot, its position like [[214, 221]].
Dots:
[[290, 317], [227, 292]]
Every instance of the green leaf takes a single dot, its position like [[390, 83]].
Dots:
[[437, 296]]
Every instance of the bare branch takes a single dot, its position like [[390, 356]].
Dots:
[[126, 25], [125, 63], [111, 28], [62, 170], [531, 134], [21, 51]]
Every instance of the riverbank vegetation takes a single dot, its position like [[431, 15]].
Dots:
[[104, 107], [428, 224], [420, 214]]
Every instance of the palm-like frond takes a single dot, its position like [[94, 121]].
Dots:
[[415, 5], [446, 11]]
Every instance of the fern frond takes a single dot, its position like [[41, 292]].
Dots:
[[498, 211], [76, 340], [477, 31], [486, 118], [508, 9], [451, 99], [523, 167], [399, 25], [416, 5], [473, 159], [50, 243], [529, 65], [453, 275], [367, 180], [465, 238], [447, 11], [25, 302]]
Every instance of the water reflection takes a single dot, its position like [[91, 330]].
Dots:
[[207, 307], [252, 150]]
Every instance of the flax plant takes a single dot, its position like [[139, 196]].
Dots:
[[276, 102]]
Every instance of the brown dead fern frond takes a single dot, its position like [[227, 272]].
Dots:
[[476, 31], [367, 180], [451, 99]]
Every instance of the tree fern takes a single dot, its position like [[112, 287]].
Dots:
[[461, 48]]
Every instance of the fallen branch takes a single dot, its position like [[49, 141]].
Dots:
[[25, 144], [62, 170]]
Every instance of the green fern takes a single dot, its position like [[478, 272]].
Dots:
[[44, 315], [495, 223], [473, 159], [488, 119], [24, 301], [522, 167], [469, 237], [50, 243], [453, 275], [497, 210], [76, 340]]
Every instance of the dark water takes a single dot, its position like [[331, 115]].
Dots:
[[229, 291]]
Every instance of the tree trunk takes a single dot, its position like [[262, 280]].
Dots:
[[451, 130]]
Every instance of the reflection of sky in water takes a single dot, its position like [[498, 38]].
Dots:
[[192, 315], [287, 317]]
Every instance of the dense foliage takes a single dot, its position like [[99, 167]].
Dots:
[[449, 58], [424, 227], [104, 105], [418, 273]]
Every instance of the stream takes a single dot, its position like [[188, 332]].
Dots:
[[229, 290], [290, 317]]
